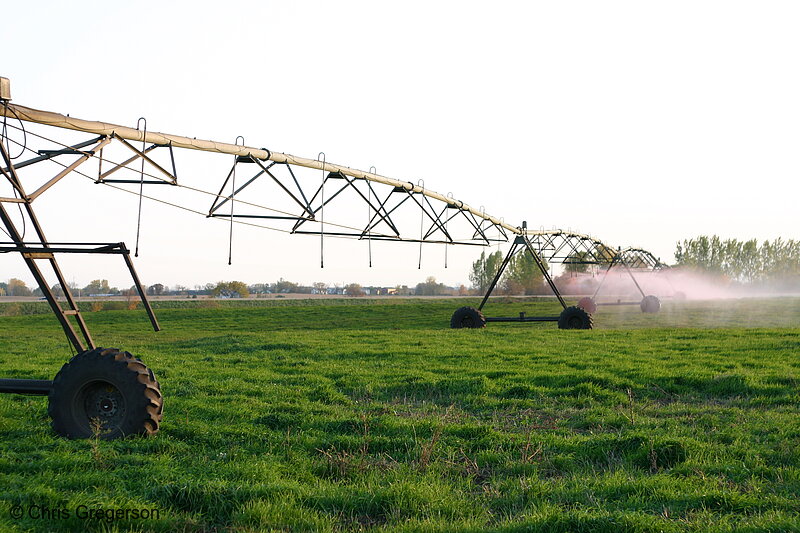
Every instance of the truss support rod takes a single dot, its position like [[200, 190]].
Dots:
[[324, 201], [633, 278], [381, 213], [75, 149], [139, 288], [442, 224], [69, 330], [432, 219], [500, 271], [143, 154], [386, 219], [216, 206], [545, 273], [608, 270], [299, 188], [124, 164], [282, 186], [30, 262], [35, 194]]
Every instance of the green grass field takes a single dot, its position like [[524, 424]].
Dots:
[[374, 415]]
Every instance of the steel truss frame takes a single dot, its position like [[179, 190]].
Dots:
[[631, 259], [523, 243], [388, 202], [381, 201], [382, 197], [568, 248], [41, 249]]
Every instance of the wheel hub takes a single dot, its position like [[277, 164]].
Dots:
[[105, 402]]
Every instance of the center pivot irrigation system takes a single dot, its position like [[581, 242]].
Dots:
[[114, 390]]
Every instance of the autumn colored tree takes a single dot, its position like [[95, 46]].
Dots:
[[17, 287], [353, 289], [230, 289]]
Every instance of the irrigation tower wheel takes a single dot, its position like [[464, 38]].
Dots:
[[574, 318], [107, 392], [588, 304], [467, 317], [650, 304]]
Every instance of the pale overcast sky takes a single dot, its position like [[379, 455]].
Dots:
[[642, 123]]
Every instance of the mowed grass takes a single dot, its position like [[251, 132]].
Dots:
[[374, 415]]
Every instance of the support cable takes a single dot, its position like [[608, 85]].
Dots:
[[2, 139], [421, 183], [21, 128], [372, 170], [141, 185], [322, 214], [233, 192], [23, 147], [444, 227]]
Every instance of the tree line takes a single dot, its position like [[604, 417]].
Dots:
[[234, 289], [776, 262], [746, 261], [743, 261]]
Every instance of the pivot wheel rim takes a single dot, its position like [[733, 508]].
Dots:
[[100, 401]]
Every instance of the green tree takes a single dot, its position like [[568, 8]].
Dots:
[[285, 286], [522, 275], [230, 289], [156, 289], [744, 261], [97, 286], [577, 262], [485, 269]]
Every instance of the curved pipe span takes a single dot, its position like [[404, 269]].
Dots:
[[103, 128], [552, 240]]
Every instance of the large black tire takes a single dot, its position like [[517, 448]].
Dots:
[[588, 304], [107, 392], [467, 317], [574, 318], [650, 304]]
